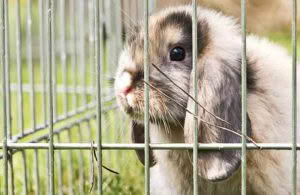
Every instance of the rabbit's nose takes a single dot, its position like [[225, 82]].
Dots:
[[126, 91], [125, 84]]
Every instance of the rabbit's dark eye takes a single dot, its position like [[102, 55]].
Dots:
[[177, 54]]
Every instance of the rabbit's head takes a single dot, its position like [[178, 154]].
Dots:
[[170, 82]]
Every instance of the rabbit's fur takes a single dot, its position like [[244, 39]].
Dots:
[[269, 70]]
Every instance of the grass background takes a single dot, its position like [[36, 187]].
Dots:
[[74, 163]]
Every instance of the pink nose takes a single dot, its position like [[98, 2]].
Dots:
[[127, 90]]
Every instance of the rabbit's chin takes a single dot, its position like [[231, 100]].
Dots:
[[158, 114], [156, 119], [139, 115], [131, 110]]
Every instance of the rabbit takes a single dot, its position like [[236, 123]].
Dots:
[[269, 112]]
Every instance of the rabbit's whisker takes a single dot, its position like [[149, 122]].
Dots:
[[217, 126], [159, 70], [174, 118], [162, 116], [231, 131], [165, 110], [169, 98]]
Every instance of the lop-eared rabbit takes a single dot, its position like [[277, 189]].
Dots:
[[269, 116]]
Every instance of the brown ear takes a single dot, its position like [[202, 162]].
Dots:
[[219, 92], [138, 136]]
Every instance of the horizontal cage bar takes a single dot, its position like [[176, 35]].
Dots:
[[173, 146]]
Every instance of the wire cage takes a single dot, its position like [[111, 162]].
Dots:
[[49, 94], [60, 131]]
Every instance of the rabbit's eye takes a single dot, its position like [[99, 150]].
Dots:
[[177, 54]]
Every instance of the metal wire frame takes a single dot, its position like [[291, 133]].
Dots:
[[4, 97], [146, 97], [99, 47], [175, 146], [195, 92], [47, 56], [294, 96], [50, 119], [244, 97]]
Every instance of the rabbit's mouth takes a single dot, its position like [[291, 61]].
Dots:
[[126, 107]]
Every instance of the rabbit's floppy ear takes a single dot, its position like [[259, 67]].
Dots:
[[219, 91], [138, 136]]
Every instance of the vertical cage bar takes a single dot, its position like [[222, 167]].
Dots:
[[294, 98], [91, 18], [113, 46], [82, 50], [50, 18], [25, 184], [19, 65], [127, 19], [48, 172], [81, 163], [4, 66], [70, 166], [29, 62], [6, 41], [12, 174], [73, 53], [53, 60], [91, 157], [42, 57], [109, 20], [37, 172], [63, 55], [60, 169], [99, 50], [146, 96], [244, 97], [195, 76], [116, 42], [119, 21]]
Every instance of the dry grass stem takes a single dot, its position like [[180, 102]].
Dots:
[[103, 166], [92, 174], [92, 179]]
